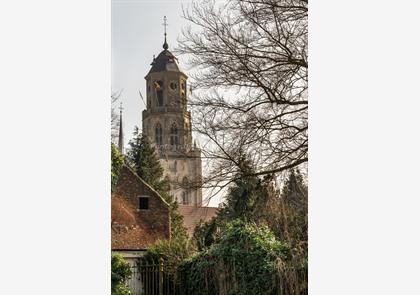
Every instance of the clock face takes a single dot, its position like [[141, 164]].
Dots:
[[173, 85]]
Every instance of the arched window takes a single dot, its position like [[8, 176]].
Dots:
[[158, 134], [185, 192], [174, 138], [159, 93], [183, 90]]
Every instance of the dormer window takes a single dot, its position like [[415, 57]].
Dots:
[[144, 203]]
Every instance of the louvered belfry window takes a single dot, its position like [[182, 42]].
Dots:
[[158, 134], [174, 138]]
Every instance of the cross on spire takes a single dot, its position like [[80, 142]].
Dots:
[[165, 24]]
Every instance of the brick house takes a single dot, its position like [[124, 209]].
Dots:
[[139, 216]]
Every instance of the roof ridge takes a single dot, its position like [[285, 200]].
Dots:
[[145, 183], [197, 206]]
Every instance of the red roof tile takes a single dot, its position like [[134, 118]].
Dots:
[[128, 232], [195, 215]]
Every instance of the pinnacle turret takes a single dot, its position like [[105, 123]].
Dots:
[[120, 134]]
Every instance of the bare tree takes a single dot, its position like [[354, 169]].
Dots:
[[250, 76]]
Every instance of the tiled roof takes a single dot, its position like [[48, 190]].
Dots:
[[165, 61], [128, 232], [194, 215]]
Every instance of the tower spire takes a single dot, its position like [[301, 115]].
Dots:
[[165, 24], [120, 134]]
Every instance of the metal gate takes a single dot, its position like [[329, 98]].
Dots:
[[157, 278]]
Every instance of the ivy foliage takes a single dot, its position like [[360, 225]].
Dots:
[[285, 213], [117, 161], [120, 272], [257, 200], [243, 262], [208, 233]]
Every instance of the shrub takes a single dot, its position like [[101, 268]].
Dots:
[[120, 272], [171, 251], [245, 261]]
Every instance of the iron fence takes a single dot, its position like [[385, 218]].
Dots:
[[153, 279], [161, 278]]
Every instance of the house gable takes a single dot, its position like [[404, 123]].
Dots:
[[135, 227]]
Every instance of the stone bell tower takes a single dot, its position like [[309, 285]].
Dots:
[[167, 124]]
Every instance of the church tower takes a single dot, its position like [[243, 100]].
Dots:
[[167, 124]]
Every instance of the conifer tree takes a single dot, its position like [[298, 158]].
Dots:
[[255, 199], [246, 199], [293, 220], [141, 156], [117, 161], [295, 189], [244, 195]]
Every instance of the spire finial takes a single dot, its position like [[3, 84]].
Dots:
[[165, 24], [121, 135]]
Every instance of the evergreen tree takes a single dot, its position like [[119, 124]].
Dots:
[[293, 221], [291, 225], [117, 161], [245, 195], [141, 156], [246, 199], [257, 200], [295, 189]]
